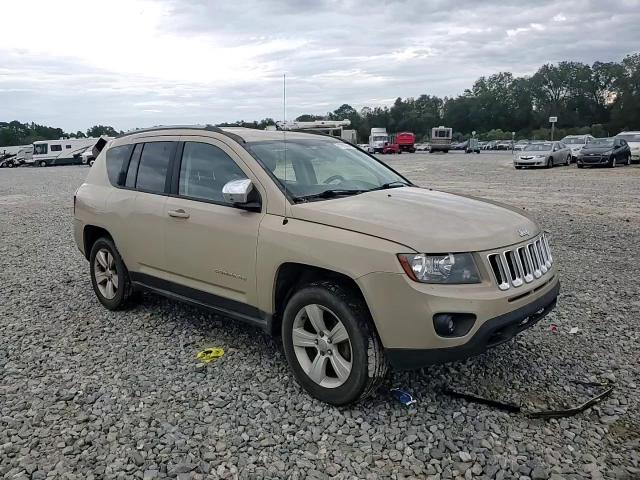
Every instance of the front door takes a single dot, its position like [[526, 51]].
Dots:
[[210, 245]]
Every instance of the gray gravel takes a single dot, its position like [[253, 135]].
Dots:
[[86, 393]]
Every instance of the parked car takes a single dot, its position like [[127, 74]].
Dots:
[[459, 145], [9, 161], [520, 145], [422, 147], [504, 145], [576, 143], [605, 151], [327, 247], [543, 155], [391, 148], [633, 140]]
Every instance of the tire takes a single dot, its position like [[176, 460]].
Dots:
[[568, 161], [580, 165], [549, 163], [628, 160], [612, 162], [105, 262], [10, 165], [331, 304], [446, 151], [42, 163], [518, 168]]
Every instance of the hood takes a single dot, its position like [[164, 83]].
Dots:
[[534, 153], [424, 220], [576, 148], [597, 149]]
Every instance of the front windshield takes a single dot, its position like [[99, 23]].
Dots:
[[538, 147], [603, 142], [380, 139], [573, 141], [630, 137], [315, 166]]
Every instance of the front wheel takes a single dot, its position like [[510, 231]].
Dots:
[[331, 345], [568, 161], [612, 162], [549, 163], [43, 163], [580, 165], [628, 160]]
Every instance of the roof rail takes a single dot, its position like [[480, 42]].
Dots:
[[208, 128]]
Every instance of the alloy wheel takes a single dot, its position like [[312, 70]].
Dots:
[[106, 273], [322, 346]]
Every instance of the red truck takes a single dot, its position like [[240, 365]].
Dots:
[[401, 142]]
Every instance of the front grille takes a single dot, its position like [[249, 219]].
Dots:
[[522, 264]]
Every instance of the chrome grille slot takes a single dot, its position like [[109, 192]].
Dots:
[[522, 264], [497, 266]]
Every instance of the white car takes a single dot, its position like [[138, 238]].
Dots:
[[633, 139], [576, 143], [546, 155]]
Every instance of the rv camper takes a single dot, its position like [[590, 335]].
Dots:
[[441, 139], [66, 151]]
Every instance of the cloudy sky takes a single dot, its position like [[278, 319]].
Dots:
[[137, 63]]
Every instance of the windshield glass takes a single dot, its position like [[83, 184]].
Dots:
[[316, 165], [380, 139], [573, 141], [603, 142], [630, 137], [40, 148], [538, 147]]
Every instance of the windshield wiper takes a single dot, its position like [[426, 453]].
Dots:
[[331, 193], [394, 184]]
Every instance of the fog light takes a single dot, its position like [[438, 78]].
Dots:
[[444, 324], [453, 324]]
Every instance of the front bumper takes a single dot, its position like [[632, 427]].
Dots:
[[493, 332], [534, 162], [593, 160]]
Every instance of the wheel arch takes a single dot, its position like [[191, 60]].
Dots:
[[290, 276], [90, 234]]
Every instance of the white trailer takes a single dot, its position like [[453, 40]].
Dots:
[[65, 151], [378, 139]]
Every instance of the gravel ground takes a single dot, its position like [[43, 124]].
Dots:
[[87, 393]]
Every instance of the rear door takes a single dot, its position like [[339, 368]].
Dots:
[[140, 205], [210, 244]]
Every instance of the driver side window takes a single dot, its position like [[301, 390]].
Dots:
[[204, 170]]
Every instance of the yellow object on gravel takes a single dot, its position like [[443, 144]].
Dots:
[[209, 354]]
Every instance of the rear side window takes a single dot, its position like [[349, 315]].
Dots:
[[56, 148], [204, 170], [154, 164], [116, 158]]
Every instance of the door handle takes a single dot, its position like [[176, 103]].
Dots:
[[179, 213]]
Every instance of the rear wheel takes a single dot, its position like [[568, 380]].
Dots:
[[109, 275], [42, 163], [628, 160], [331, 345]]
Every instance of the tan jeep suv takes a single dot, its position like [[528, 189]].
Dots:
[[311, 238]]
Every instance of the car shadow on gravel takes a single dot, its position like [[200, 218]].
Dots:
[[513, 372]]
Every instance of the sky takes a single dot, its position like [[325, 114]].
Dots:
[[140, 63]]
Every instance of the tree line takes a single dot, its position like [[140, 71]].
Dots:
[[601, 99]]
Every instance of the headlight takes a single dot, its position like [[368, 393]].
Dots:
[[444, 268]]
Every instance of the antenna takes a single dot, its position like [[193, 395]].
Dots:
[[284, 141]]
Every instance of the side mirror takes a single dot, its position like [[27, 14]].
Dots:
[[237, 192]]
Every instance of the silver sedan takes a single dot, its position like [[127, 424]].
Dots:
[[547, 155]]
